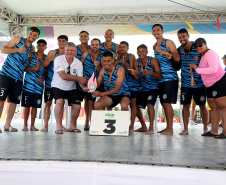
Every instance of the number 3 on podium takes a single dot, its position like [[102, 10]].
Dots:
[[110, 125]]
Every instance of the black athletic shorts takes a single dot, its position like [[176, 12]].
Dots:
[[10, 88], [90, 96], [48, 94], [31, 99], [147, 97], [199, 95], [134, 94], [168, 91], [72, 96], [116, 99], [218, 89]]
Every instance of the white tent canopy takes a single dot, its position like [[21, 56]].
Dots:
[[98, 7]]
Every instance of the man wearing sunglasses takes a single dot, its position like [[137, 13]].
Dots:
[[67, 71], [188, 54]]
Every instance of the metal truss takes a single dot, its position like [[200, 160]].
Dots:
[[16, 31], [124, 19], [8, 16]]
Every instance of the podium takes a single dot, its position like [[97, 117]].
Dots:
[[110, 123]]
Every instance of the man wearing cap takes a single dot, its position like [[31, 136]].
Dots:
[[224, 61]]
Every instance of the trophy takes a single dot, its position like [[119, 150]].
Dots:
[[92, 83]]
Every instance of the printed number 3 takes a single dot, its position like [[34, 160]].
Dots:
[[110, 125]]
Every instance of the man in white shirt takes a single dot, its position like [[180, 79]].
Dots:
[[67, 71]]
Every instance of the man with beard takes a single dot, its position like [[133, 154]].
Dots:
[[48, 95], [188, 54], [19, 51], [91, 64]]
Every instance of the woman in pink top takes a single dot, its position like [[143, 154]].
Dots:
[[214, 78]]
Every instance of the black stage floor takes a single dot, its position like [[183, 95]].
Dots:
[[192, 151]]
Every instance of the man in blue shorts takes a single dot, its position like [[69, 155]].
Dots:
[[19, 51]]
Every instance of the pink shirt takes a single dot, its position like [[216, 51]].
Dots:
[[210, 68]]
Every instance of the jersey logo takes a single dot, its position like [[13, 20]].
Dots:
[[39, 102], [74, 71], [164, 96], [150, 97], [202, 98], [214, 93]]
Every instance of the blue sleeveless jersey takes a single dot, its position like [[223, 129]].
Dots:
[[148, 82], [31, 83], [102, 49], [131, 82], [186, 59], [49, 75], [89, 68], [124, 90], [15, 63], [168, 72], [79, 53]]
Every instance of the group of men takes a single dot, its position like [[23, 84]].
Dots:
[[121, 78]]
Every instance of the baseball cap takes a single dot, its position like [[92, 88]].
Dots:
[[224, 57], [200, 41]]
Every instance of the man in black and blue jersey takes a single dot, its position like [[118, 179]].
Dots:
[[129, 63], [33, 85], [116, 89], [48, 95], [188, 54], [149, 74], [166, 53], [83, 47], [19, 51], [91, 64]]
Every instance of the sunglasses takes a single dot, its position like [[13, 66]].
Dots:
[[199, 45], [68, 69]]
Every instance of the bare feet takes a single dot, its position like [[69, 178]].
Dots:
[[167, 132], [149, 132], [45, 129], [25, 129], [34, 129], [141, 129], [161, 131], [184, 132], [131, 129]]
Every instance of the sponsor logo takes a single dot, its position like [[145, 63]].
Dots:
[[111, 115], [214, 93], [202, 98], [94, 132], [58, 67], [123, 132], [164, 96]]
